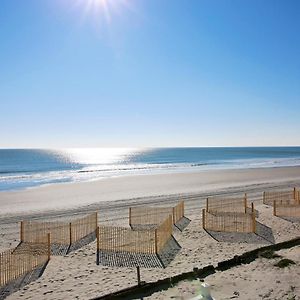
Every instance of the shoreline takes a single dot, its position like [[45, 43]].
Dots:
[[125, 189], [145, 172]]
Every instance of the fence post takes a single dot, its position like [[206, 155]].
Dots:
[[274, 208], [203, 218], [70, 226], [49, 245], [252, 208], [264, 197], [130, 216], [173, 209], [22, 231], [295, 194], [253, 223], [138, 275], [245, 202], [0, 269], [96, 216], [182, 212], [98, 246], [207, 204], [156, 246]]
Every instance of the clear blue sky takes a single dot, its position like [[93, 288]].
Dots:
[[156, 73]]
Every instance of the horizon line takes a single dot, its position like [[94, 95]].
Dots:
[[144, 147]]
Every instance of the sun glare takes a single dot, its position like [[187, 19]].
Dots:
[[103, 9]]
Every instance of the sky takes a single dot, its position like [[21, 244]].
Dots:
[[156, 73]]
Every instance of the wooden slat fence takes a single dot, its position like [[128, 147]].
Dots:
[[148, 215], [82, 227], [14, 264], [286, 203], [35, 232], [298, 197], [163, 233], [228, 221], [120, 239], [178, 212], [225, 204], [145, 215], [61, 233], [287, 209], [280, 196]]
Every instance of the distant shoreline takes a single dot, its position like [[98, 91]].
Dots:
[[124, 189], [21, 169], [147, 172]]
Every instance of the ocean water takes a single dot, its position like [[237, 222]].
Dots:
[[25, 168]]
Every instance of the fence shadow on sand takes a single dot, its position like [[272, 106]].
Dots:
[[20, 282], [82, 242], [59, 249], [182, 223], [262, 235], [290, 219], [131, 260]]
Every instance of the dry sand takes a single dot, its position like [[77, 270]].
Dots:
[[257, 280], [76, 276]]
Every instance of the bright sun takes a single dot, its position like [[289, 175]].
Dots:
[[103, 8]]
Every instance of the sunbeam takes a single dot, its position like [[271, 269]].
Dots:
[[103, 9]]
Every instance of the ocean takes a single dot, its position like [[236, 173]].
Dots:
[[26, 168]]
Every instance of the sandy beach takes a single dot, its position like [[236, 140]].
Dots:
[[149, 135], [260, 279], [129, 189], [76, 276]]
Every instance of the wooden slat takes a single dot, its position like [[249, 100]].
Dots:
[[164, 233], [120, 239], [14, 264], [227, 204], [61, 233], [280, 196], [290, 209], [228, 222], [144, 215]]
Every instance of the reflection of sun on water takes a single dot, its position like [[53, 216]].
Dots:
[[99, 155]]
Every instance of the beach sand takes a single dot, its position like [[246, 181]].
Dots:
[[71, 195], [76, 276], [260, 279]]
